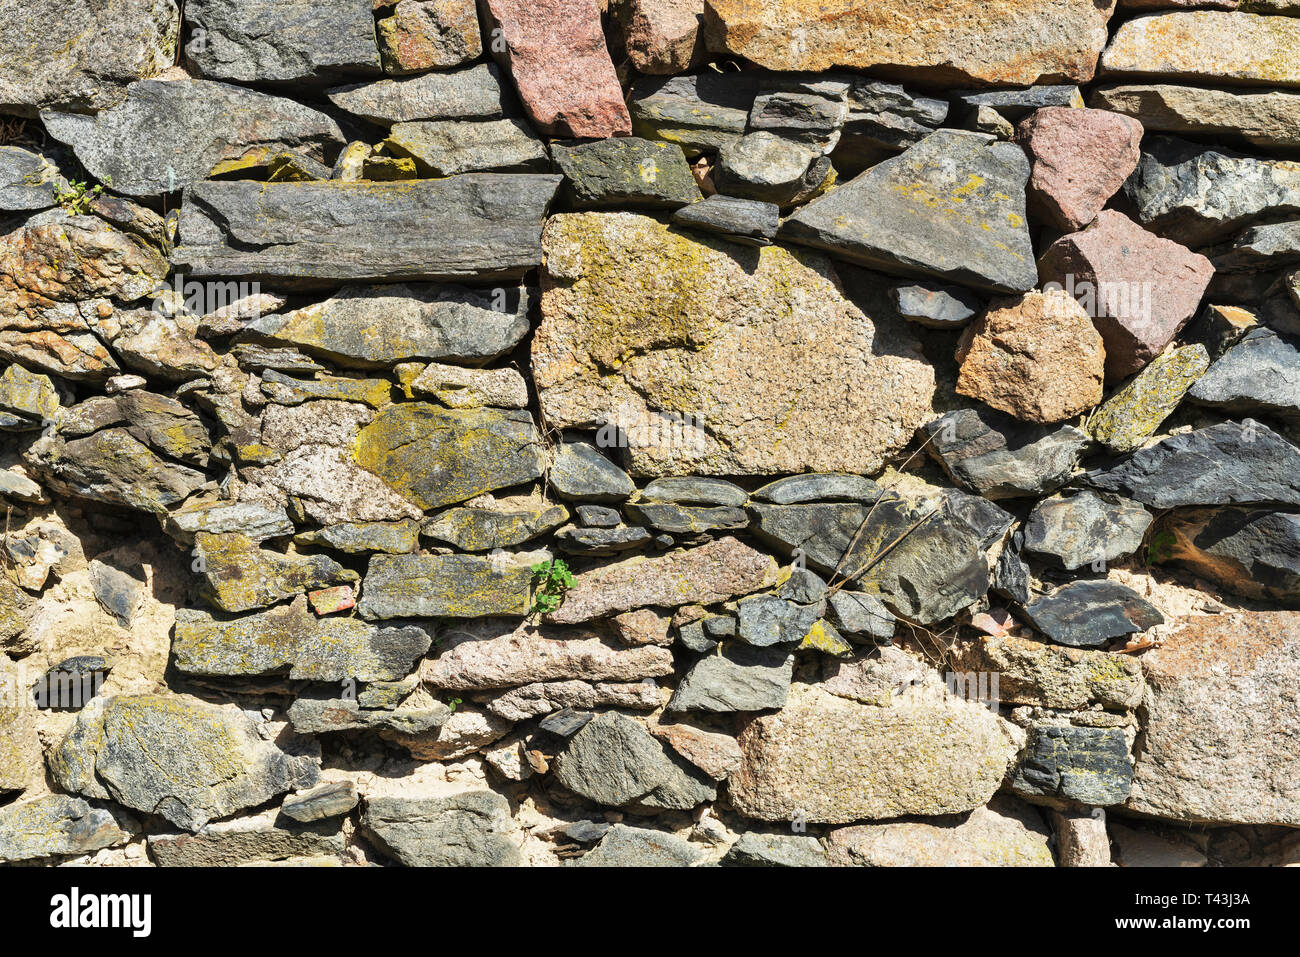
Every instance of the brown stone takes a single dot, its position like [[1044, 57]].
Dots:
[[429, 35], [1140, 289], [663, 36], [1080, 160], [1002, 42], [555, 50], [1053, 676], [1222, 719], [1037, 357], [1208, 45], [717, 755]]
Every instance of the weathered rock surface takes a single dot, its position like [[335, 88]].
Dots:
[[546, 697], [261, 839], [177, 757], [1214, 747], [747, 221], [581, 474], [114, 468], [55, 825], [1260, 375], [82, 56], [471, 829], [1034, 673], [1080, 160], [775, 850], [627, 171], [676, 354], [952, 206], [1132, 415], [447, 586], [339, 231], [739, 678], [167, 136], [837, 761], [429, 35], [1072, 530], [998, 457], [240, 576], [449, 147], [1250, 552], [1003, 42], [1088, 765], [1090, 613], [1264, 118], [625, 846], [474, 93], [1207, 45], [662, 36], [1038, 358]]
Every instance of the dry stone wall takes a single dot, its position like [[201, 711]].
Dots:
[[654, 432]]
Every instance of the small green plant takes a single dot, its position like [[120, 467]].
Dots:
[[1161, 548], [78, 195], [454, 702], [551, 580]]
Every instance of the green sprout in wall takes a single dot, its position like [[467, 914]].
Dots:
[[551, 581], [1161, 548], [77, 196]]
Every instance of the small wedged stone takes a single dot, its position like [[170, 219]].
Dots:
[[602, 541], [1260, 375], [700, 112], [450, 147], [331, 799], [27, 180], [429, 35], [112, 467], [1086, 765], [495, 654], [362, 538], [996, 456], [477, 226], [581, 474], [317, 713], [688, 519], [484, 529], [447, 586], [694, 490], [238, 575], [176, 756], [1052, 676], [768, 168], [1075, 529], [293, 640], [626, 171], [775, 850], [459, 388], [287, 41], [546, 697], [475, 93], [257, 840], [952, 206], [1232, 463], [935, 306], [1125, 421], [825, 759], [708, 574], [626, 846], [1251, 552], [168, 135], [1211, 46], [435, 457], [746, 221], [1260, 248], [740, 678], [55, 825], [1091, 613], [471, 829]]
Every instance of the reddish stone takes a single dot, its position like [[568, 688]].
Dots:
[[1139, 289], [555, 50], [328, 601], [663, 36], [1080, 159]]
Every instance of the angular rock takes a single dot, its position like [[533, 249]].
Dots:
[[952, 206], [481, 225], [1216, 47], [746, 221], [717, 755], [699, 365], [459, 388], [505, 655], [860, 615], [435, 457], [167, 136], [449, 147], [627, 171], [372, 326], [768, 168], [447, 586], [1139, 289], [113, 468], [475, 93], [602, 541], [775, 850], [288, 41], [483, 529], [625, 846], [1072, 530], [1086, 765], [324, 801], [1132, 415], [830, 760], [765, 620], [240, 576], [1264, 118], [429, 35], [1091, 613], [1038, 358], [686, 519], [261, 839], [825, 487], [662, 36], [27, 180], [1081, 839], [1050, 676], [700, 113], [1217, 696], [555, 51], [740, 678], [1003, 42], [1249, 552], [939, 307], [694, 490], [293, 640], [471, 829], [582, 474], [81, 57], [547, 697], [360, 538], [1006, 833], [706, 575], [321, 714], [1226, 464], [1080, 160], [1015, 104], [1195, 194], [55, 825], [1259, 375], [176, 756], [998, 457], [1261, 248]]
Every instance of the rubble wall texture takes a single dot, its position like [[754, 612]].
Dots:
[[650, 432]]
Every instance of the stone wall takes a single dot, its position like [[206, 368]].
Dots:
[[688, 432]]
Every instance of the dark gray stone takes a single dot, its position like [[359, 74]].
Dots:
[[269, 41], [325, 801], [700, 113], [741, 678], [999, 457], [858, 615], [481, 225], [625, 846], [27, 181], [1259, 375], [887, 218], [319, 714], [1092, 613], [802, 587], [626, 171], [765, 620], [451, 147], [472, 829], [598, 516], [55, 825], [582, 474], [1014, 105], [1250, 552], [885, 118], [1232, 463], [1011, 574], [693, 490], [775, 850], [819, 487], [686, 519], [770, 169], [935, 306], [475, 93], [1087, 765], [747, 221], [119, 591], [170, 135], [1261, 248], [1082, 528], [602, 541]]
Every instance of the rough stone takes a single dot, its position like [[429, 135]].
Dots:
[[261, 839], [429, 35], [1050, 676], [450, 147], [627, 171], [55, 825], [1075, 529], [1249, 552], [1259, 375], [998, 457], [547, 697], [1086, 765], [662, 36], [700, 113], [1264, 118], [1090, 613], [935, 306], [740, 678], [746, 221], [1125, 421], [769, 168], [1038, 358], [474, 93], [361, 538], [581, 474], [113, 468], [701, 353], [1213, 46], [484, 529], [238, 575], [625, 846], [775, 850], [471, 829], [447, 586]]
